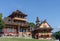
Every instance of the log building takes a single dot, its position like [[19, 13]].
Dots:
[[16, 24], [42, 30]]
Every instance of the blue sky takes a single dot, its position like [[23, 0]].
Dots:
[[44, 9]]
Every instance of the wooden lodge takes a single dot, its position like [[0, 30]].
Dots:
[[42, 30], [16, 24]]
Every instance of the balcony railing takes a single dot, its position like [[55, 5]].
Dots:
[[45, 33], [16, 18], [14, 23]]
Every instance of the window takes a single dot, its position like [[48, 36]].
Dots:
[[9, 20], [44, 27], [16, 15], [1, 30], [11, 29], [42, 36], [22, 30]]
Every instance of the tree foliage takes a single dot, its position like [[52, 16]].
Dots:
[[1, 22], [57, 35], [31, 24]]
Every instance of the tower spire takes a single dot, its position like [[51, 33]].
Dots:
[[37, 21]]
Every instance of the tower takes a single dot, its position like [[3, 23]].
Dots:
[[37, 22]]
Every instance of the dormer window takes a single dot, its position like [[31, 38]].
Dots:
[[9, 20], [16, 15], [44, 27]]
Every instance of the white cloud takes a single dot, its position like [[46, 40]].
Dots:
[[55, 29]]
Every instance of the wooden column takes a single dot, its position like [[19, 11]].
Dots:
[[18, 30]]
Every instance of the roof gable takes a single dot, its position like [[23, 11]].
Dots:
[[17, 12], [44, 24]]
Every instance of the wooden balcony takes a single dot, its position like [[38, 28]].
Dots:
[[45, 33], [22, 19], [17, 24]]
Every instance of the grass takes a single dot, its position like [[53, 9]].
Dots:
[[20, 39]]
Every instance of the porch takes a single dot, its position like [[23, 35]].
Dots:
[[18, 31]]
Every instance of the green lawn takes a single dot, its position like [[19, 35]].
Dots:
[[17, 39]]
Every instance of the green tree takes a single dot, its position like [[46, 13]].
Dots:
[[31, 26], [1, 22], [57, 35]]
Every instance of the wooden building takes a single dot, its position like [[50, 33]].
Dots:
[[16, 24], [42, 30]]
